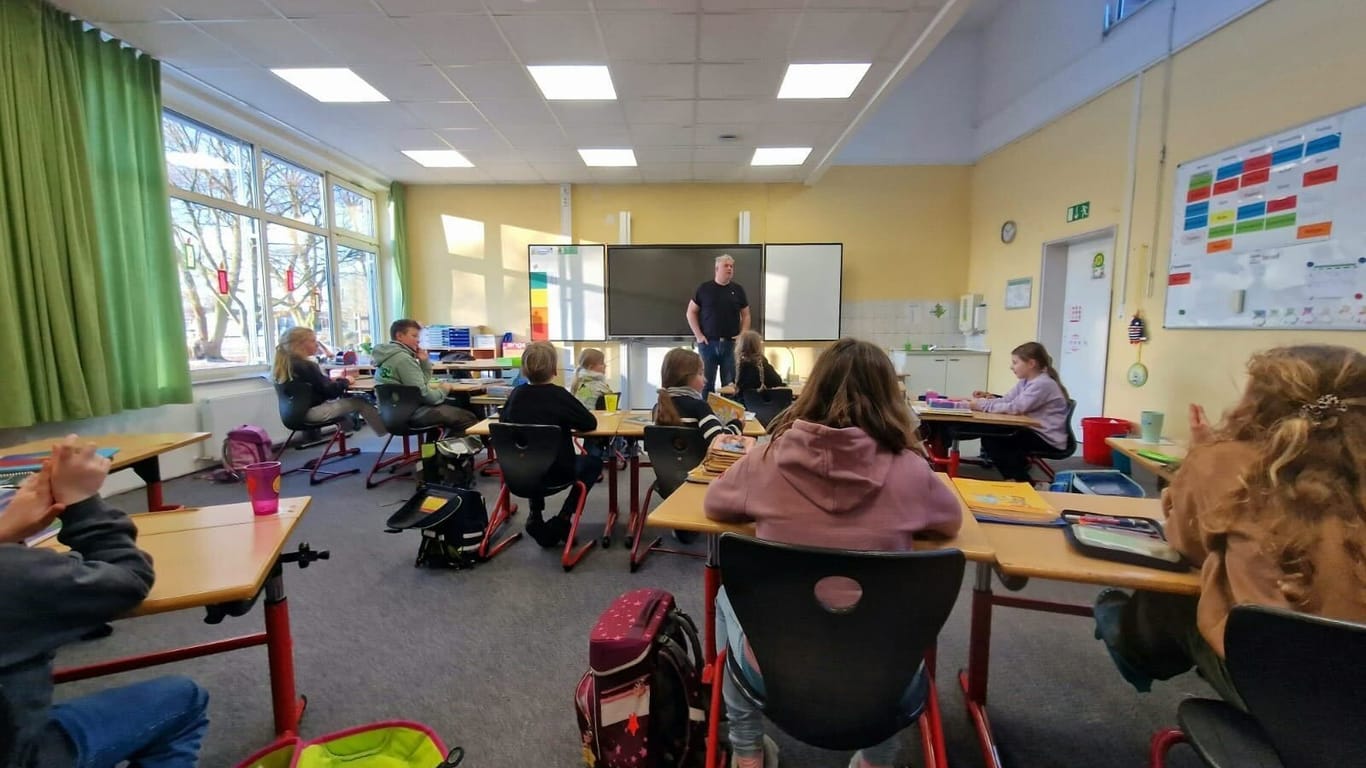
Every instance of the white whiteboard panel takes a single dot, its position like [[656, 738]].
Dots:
[[802, 291], [568, 302], [1270, 234]]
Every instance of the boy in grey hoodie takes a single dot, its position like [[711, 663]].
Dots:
[[403, 361], [50, 598]]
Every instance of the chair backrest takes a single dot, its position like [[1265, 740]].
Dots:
[[295, 398], [1071, 447], [837, 682], [767, 403], [397, 404], [525, 454], [674, 451], [1302, 678], [7, 730]]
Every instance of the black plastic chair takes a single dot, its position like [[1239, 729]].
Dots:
[[841, 682], [674, 452], [296, 398], [766, 404], [1301, 678], [1040, 459], [397, 404], [526, 453], [7, 730]]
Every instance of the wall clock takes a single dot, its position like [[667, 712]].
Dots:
[[1008, 232]]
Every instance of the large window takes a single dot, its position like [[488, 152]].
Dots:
[[251, 271]]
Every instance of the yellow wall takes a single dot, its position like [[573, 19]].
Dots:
[[905, 232], [1228, 88]]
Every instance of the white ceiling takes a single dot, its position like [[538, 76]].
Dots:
[[685, 71]]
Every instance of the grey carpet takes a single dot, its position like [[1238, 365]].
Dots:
[[489, 658]]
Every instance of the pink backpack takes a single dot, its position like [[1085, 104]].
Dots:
[[245, 445]]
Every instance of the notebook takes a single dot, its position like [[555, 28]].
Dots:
[[32, 462], [1006, 501]]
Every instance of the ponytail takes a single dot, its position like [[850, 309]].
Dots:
[[1033, 350], [282, 370], [1053, 373], [666, 413]]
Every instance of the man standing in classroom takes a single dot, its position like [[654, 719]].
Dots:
[[717, 314]]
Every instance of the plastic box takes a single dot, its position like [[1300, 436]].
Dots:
[[1099, 482]]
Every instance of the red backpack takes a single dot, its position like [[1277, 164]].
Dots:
[[642, 702], [245, 445]]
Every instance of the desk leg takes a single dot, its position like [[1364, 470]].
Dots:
[[954, 458], [635, 484], [612, 509], [711, 576], [287, 705], [974, 680], [149, 470]]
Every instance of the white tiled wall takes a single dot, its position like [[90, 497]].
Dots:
[[892, 324]]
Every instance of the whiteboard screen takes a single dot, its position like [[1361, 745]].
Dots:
[[802, 291], [567, 298], [1270, 234]]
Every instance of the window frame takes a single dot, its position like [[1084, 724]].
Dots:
[[333, 236]]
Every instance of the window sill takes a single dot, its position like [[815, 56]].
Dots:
[[235, 373]]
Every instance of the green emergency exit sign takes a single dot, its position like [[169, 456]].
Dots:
[[1079, 211]]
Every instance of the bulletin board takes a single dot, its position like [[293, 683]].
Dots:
[[568, 299], [1272, 233]]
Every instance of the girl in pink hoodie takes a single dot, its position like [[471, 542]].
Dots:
[[844, 470]]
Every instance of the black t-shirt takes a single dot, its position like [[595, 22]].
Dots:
[[720, 307]]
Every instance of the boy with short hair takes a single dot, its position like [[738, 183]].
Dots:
[[50, 598], [403, 361], [542, 401]]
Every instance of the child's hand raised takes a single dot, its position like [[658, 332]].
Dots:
[[78, 471], [31, 509], [1201, 430]]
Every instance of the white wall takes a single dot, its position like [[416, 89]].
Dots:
[[166, 418], [926, 120], [1043, 58]]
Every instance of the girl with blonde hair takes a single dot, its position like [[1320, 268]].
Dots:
[[1270, 505], [294, 362]]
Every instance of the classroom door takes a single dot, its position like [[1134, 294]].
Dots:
[[1086, 325]]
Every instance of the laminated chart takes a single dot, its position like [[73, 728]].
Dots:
[[568, 302], [1271, 234]]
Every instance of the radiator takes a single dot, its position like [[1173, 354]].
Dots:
[[223, 413]]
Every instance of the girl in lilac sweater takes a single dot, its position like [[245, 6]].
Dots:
[[1039, 394], [844, 470]]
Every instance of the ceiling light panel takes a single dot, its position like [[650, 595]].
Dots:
[[574, 83], [331, 84], [821, 81]]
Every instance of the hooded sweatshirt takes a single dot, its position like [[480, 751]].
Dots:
[[397, 364], [50, 598], [836, 488], [588, 386]]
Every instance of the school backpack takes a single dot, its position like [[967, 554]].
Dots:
[[391, 743], [642, 702], [452, 522], [245, 445], [450, 462]]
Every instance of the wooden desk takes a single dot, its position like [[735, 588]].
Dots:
[[945, 428], [219, 556], [138, 452], [1130, 446], [1044, 553], [683, 511]]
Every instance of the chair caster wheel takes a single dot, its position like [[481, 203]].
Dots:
[[606, 542]]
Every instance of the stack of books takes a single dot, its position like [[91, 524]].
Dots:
[[724, 451]]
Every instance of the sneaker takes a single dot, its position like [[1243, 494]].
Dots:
[[1108, 610], [539, 530], [770, 754]]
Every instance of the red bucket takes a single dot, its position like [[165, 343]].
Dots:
[[1094, 430]]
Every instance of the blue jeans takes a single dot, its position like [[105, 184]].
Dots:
[[156, 724], [746, 719], [717, 352]]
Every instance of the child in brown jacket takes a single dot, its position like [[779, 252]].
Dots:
[[1270, 505]]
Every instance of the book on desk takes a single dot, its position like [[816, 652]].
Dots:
[[993, 501]]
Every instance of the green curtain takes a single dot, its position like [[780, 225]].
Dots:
[[58, 320], [53, 339], [398, 204], [141, 288]]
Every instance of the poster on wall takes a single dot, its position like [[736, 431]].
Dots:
[[567, 297], [1269, 234]]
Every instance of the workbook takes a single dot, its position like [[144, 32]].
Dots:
[[1004, 500], [726, 410]]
